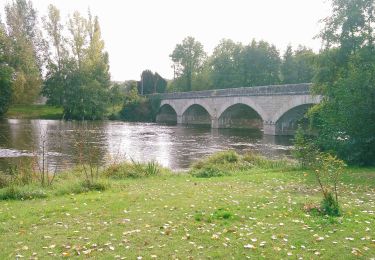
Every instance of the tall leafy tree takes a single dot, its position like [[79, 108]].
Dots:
[[27, 50], [346, 79], [260, 64], [151, 83], [188, 58], [297, 66], [77, 26], [88, 82], [58, 58], [226, 64], [6, 72]]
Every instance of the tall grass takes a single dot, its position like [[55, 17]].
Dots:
[[226, 162]]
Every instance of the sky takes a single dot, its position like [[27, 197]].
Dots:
[[141, 34]]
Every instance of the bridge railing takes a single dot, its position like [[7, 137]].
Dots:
[[291, 89]]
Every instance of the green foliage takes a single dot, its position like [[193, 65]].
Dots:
[[222, 214], [92, 186], [305, 150], [256, 160], [26, 51], [235, 65], [225, 162], [330, 205], [140, 109], [6, 72], [208, 171], [298, 66], [226, 64], [346, 118], [260, 64], [224, 157], [133, 170], [151, 83], [22, 193], [78, 77], [5, 87], [188, 58]]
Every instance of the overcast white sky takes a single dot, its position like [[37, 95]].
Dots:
[[140, 34]]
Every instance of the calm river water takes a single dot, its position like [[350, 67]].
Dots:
[[175, 147]]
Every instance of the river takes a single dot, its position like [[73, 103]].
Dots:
[[175, 147]]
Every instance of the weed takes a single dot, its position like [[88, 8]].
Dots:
[[208, 172], [21, 193]]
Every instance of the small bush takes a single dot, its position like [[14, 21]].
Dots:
[[94, 186], [21, 193], [304, 149], [330, 205], [260, 161], [224, 158], [133, 170], [208, 171], [222, 214]]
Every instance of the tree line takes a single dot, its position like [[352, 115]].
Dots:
[[234, 65], [65, 61]]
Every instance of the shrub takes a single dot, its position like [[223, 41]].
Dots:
[[328, 169], [133, 170], [304, 149], [208, 171], [260, 161], [330, 205], [94, 186], [21, 193], [219, 158]]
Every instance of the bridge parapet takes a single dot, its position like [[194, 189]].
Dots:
[[291, 89]]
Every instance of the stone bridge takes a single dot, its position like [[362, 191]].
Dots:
[[276, 110]]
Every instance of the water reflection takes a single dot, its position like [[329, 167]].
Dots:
[[172, 146]]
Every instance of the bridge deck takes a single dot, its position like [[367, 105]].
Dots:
[[291, 89]]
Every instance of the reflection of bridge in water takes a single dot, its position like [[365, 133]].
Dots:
[[275, 109]]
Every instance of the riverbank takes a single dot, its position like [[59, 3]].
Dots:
[[34, 112], [251, 210]]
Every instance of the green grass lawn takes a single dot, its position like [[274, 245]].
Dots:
[[34, 112], [256, 214]]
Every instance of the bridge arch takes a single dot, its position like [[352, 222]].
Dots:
[[240, 116], [295, 102], [196, 114], [201, 102], [245, 101], [291, 115], [167, 114]]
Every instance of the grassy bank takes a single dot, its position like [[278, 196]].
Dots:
[[34, 112], [254, 208]]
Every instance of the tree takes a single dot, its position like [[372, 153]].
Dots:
[[6, 73], [77, 27], [27, 50], [151, 83], [78, 77], [297, 66], [54, 84], [260, 64], [88, 79], [225, 62], [346, 79], [188, 58]]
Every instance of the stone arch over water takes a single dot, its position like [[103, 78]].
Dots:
[[288, 123], [240, 116], [167, 114], [196, 115]]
